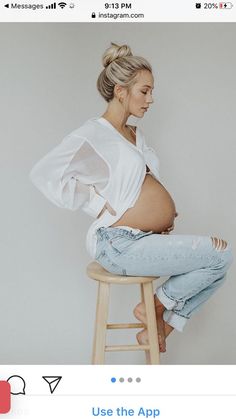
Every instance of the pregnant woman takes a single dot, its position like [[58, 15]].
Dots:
[[106, 168]]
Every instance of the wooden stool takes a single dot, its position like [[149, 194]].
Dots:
[[105, 278]]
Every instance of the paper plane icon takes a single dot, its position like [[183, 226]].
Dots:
[[53, 381]]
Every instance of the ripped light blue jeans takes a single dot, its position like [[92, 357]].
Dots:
[[196, 266]]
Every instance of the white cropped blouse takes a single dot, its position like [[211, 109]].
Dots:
[[92, 165]]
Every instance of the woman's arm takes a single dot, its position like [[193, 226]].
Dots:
[[68, 176], [151, 159]]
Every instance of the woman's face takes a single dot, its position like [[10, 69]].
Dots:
[[140, 96]]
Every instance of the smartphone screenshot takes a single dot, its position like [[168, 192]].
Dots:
[[117, 209]]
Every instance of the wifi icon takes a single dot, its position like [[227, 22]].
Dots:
[[62, 5]]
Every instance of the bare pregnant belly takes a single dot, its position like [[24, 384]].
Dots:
[[154, 210]]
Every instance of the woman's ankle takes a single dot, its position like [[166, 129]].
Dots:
[[158, 305], [168, 329]]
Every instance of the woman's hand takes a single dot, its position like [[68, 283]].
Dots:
[[169, 229], [108, 208]]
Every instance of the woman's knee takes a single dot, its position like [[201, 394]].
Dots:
[[224, 248], [219, 244]]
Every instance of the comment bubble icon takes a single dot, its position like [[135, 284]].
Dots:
[[17, 384]]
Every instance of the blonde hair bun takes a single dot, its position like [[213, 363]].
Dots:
[[114, 52], [121, 67]]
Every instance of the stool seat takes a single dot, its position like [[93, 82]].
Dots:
[[97, 272], [105, 279]]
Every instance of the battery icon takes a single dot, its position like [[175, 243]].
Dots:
[[226, 5]]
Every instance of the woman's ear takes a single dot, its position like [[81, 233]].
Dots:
[[119, 92]]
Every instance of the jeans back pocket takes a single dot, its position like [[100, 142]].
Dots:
[[120, 243]]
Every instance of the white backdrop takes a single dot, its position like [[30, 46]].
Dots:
[[48, 88]]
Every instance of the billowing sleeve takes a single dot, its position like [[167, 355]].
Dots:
[[68, 176], [151, 159]]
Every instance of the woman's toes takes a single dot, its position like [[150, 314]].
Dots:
[[162, 343], [142, 338]]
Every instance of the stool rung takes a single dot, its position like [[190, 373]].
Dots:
[[126, 326], [127, 348]]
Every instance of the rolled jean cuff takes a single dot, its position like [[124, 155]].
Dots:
[[174, 320], [166, 301]]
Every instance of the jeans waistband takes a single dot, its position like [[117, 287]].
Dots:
[[110, 232]]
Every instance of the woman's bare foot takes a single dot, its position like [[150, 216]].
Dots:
[[140, 314], [142, 338], [164, 329], [160, 326]]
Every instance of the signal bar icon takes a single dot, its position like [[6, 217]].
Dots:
[[52, 6]]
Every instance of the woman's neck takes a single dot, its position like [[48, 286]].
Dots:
[[127, 132], [116, 115], [117, 122]]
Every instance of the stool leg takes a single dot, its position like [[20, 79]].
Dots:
[[147, 353], [151, 323], [101, 323]]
